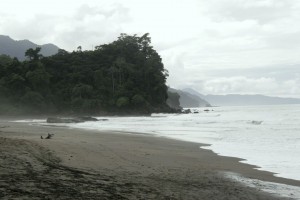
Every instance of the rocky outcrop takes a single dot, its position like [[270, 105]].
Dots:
[[87, 118], [71, 120], [173, 100], [17, 48], [186, 111]]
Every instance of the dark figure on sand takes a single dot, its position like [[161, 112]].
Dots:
[[49, 136]]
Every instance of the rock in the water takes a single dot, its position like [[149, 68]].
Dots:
[[256, 122], [187, 111], [58, 120], [73, 120], [87, 118]]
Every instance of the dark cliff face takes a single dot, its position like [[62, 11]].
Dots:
[[173, 100], [14, 48], [188, 100]]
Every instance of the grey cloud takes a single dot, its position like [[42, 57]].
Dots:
[[284, 40], [175, 64], [86, 10], [263, 11], [88, 39], [245, 85], [253, 24], [279, 72], [163, 45], [95, 26], [269, 80], [88, 26], [118, 10], [36, 29]]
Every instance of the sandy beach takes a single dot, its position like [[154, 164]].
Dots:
[[81, 164]]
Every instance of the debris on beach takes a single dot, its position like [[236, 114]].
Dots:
[[49, 136]]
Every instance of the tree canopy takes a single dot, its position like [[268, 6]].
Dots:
[[126, 75]]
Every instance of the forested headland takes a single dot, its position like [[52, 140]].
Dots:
[[124, 76]]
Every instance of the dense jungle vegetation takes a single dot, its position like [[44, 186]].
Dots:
[[124, 76]]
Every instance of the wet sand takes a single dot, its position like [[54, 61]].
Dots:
[[79, 164]]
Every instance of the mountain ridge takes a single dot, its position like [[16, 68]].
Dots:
[[249, 99], [17, 48]]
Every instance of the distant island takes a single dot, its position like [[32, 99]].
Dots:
[[248, 100], [124, 76], [242, 99]]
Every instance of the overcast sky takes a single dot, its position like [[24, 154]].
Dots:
[[213, 46]]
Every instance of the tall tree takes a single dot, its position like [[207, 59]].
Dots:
[[33, 54]]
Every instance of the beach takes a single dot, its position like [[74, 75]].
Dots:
[[87, 164]]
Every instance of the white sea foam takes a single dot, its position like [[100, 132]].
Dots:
[[287, 191], [31, 121]]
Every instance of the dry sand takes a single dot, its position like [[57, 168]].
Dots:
[[79, 164]]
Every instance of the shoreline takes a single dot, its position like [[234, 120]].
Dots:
[[146, 157], [201, 146]]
